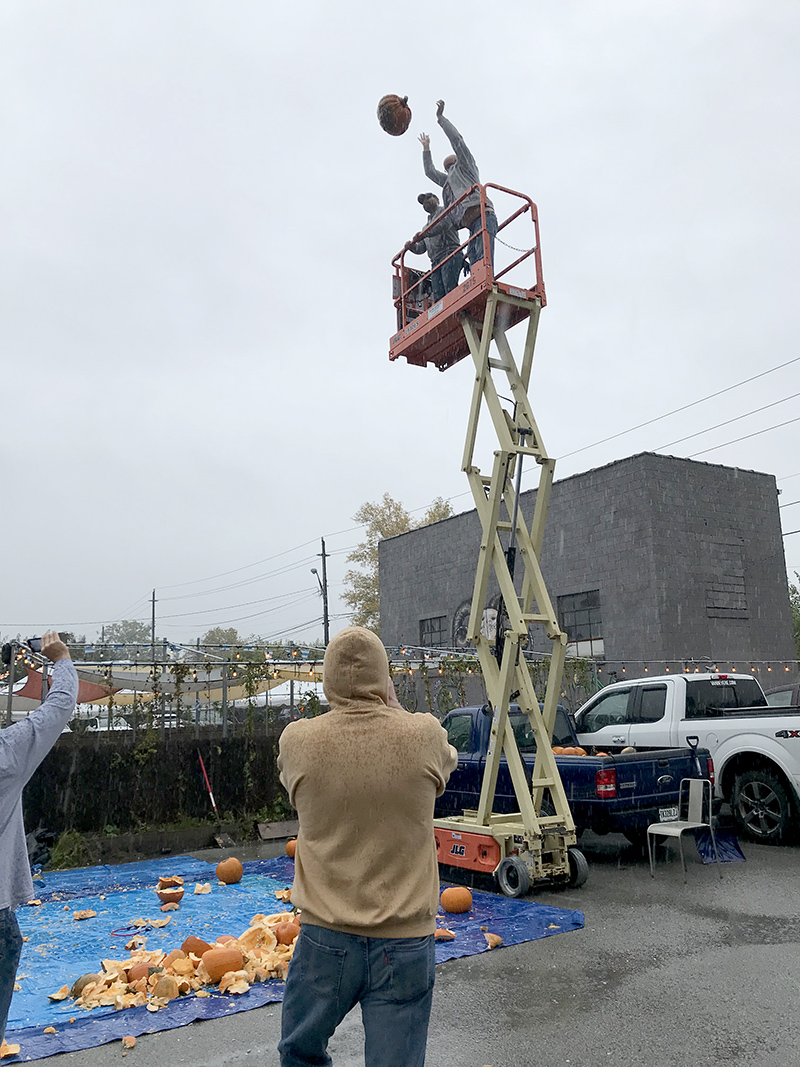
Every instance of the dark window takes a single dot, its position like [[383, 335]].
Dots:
[[580, 619], [715, 695], [459, 732], [432, 632], [610, 709], [526, 739], [652, 704]]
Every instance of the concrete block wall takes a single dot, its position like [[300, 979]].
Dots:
[[687, 557]]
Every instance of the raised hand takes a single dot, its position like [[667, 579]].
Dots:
[[425, 141], [53, 647], [439, 108]]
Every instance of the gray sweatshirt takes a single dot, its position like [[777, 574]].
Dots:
[[440, 240], [463, 175], [23, 746]]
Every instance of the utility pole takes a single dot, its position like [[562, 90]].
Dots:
[[323, 585], [153, 627]]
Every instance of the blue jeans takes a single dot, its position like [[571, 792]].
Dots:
[[475, 249], [445, 279], [10, 949], [331, 972]]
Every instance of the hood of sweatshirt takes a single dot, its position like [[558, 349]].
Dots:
[[355, 671]]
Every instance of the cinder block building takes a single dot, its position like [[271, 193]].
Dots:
[[651, 561]]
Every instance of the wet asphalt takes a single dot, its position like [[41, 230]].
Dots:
[[663, 974]]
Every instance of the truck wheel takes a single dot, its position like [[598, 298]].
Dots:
[[761, 806], [578, 867], [513, 877], [637, 835]]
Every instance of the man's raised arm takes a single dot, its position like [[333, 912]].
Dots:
[[431, 172], [465, 157]]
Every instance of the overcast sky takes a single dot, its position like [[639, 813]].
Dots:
[[199, 212]]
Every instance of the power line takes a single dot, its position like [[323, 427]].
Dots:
[[727, 422], [747, 437], [685, 407], [791, 502], [247, 581], [223, 574], [247, 604]]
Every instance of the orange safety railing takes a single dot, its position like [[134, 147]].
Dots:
[[420, 317]]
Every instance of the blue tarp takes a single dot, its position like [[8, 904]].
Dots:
[[59, 949]]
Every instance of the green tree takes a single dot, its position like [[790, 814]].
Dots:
[[383, 518], [794, 601], [127, 632], [218, 636]]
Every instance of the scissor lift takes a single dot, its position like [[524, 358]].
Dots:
[[473, 319]]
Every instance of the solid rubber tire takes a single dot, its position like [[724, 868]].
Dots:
[[578, 867], [513, 877], [777, 801]]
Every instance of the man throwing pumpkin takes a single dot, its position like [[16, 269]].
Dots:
[[363, 778], [23, 746], [460, 173]]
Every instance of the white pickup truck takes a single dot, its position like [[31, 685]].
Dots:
[[755, 747]]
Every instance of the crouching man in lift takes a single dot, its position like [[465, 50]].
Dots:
[[439, 242]]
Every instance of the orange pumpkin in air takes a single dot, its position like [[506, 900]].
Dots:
[[394, 114], [456, 899]]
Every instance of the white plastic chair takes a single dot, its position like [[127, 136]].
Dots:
[[699, 816]]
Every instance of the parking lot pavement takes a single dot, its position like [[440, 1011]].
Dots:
[[664, 974]]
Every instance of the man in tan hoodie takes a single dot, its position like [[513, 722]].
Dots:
[[363, 778]]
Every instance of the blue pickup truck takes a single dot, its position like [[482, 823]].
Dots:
[[607, 794]]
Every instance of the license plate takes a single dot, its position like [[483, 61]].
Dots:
[[667, 814]]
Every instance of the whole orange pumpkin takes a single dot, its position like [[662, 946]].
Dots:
[[394, 114], [230, 871], [456, 899], [285, 933], [218, 961], [291, 847]]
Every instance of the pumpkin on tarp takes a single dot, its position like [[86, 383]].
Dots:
[[195, 945], [285, 933], [291, 847], [170, 895], [456, 899], [218, 961], [394, 114], [230, 871]]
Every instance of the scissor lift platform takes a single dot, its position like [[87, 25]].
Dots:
[[436, 335], [431, 332]]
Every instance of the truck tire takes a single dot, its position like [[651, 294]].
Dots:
[[513, 877], [761, 806], [637, 835], [578, 867]]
